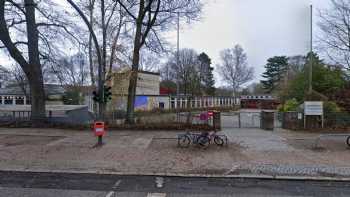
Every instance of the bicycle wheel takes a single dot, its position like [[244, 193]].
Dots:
[[348, 141], [203, 141], [219, 141], [183, 141]]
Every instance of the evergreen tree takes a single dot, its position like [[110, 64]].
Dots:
[[206, 74], [326, 81], [275, 71]]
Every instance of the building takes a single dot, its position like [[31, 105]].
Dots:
[[259, 102], [148, 83], [147, 91], [19, 95], [149, 97], [4, 76]]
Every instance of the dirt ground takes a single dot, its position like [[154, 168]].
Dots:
[[250, 151]]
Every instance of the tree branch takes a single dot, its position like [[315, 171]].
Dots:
[[86, 21], [6, 39]]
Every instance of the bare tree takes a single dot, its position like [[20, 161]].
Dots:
[[5, 76], [335, 26], [234, 68], [108, 23], [187, 70], [31, 65], [151, 17], [19, 77], [35, 34], [90, 7], [72, 70]]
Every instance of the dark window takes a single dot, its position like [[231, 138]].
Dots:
[[161, 105], [8, 100], [19, 100]]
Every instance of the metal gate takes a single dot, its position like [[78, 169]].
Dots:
[[247, 119], [240, 120]]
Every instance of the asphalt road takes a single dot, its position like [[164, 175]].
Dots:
[[28, 184]]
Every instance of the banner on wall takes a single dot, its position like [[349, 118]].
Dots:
[[141, 102]]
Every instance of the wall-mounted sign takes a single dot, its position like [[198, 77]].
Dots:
[[313, 108], [300, 116]]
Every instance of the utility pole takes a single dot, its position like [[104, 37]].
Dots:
[[177, 63], [311, 50]]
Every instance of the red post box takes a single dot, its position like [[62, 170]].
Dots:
[[99, 129], [203, 116]]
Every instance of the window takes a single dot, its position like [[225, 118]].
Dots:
[[183, 102], [19, 100], [161, 105], [8, 100]]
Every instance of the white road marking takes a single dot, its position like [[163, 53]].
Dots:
[[117, 184], [156, 195], [110, 194], [159, 182]]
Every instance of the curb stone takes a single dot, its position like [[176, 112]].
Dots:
[[247, 176]]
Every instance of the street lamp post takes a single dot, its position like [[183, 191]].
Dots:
[[177, 63], [311, 50]]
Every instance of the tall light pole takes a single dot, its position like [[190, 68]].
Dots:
[[177, 55], [311, 50]]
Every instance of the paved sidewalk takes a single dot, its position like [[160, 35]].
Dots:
[[251, 152]]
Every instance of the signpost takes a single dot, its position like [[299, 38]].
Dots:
[[313, 108]]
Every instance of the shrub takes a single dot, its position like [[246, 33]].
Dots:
[[289, 105], [330, 107]]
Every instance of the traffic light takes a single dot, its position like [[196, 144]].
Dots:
[[107, 93], [96, 97]]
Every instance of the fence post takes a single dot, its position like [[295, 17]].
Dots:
[[239, 119]]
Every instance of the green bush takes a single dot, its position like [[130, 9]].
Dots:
[[289, 105], [330, 107]]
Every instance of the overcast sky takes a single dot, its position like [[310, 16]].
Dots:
[[264, 28]]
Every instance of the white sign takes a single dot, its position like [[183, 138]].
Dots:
[[300, 116], [313, 108]]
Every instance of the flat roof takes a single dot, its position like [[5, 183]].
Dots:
[[140, 71]]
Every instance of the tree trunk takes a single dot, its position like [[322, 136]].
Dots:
[[130, 119], [37, 98], [134, 69], [92, 75], [102, 71], [132, 86], [33, 70]]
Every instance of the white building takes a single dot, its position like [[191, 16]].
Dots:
[[17, 95]]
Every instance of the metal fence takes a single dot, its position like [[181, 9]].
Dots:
[[295, 121], [72, 117], [118, 118]]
